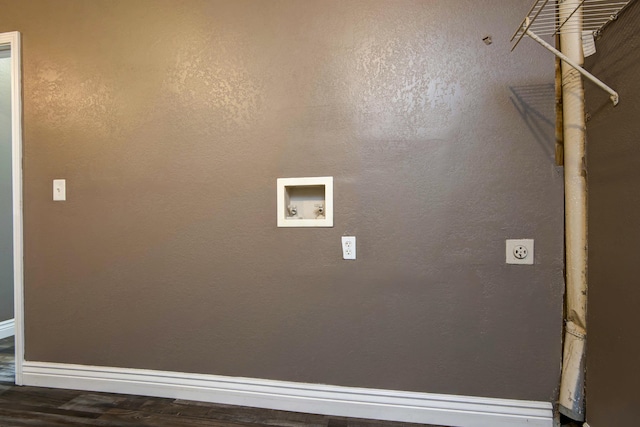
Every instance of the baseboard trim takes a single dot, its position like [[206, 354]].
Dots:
[[390, 405], [7, 328]]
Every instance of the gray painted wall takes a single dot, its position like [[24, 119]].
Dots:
[[6, 213], [172, 120], [614, 201]]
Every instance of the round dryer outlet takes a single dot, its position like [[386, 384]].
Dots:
[[520, 252]]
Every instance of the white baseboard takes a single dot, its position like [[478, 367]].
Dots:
[[7, 328], [450, 410]]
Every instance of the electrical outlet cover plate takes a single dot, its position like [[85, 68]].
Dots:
[[348, 247], [519, 251]]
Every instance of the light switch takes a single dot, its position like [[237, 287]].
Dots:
[[59, 190]]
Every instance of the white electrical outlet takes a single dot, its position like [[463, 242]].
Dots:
[[348, 247], [519, 251]]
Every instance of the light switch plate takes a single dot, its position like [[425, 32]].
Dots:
[[59, 190], [519, 251]]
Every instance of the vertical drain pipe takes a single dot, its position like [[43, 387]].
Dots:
[[573, 365], [558, 88]]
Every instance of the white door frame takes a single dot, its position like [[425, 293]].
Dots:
[[12, 40]]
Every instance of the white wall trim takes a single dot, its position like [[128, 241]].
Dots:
[[450, 410], [12, 40], [16, 170], [7, 328]]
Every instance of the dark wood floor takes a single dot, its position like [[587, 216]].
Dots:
[[35, 406], [7, 366]]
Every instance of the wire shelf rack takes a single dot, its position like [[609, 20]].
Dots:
[[543, 17], [557, 17]]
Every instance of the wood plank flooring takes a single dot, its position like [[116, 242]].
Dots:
[[36, 406], [7, 366]]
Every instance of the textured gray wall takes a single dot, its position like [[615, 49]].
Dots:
[[6, 212], [614, 230], [172, 120]]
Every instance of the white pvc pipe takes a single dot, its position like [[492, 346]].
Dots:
[[572, 383]]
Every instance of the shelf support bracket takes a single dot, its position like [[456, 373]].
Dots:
[[613, 94]]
